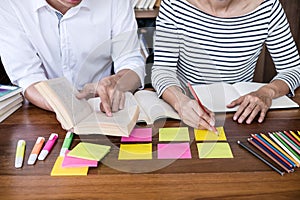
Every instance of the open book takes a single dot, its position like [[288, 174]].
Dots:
[[151, 107], [78, 114], [216, 96]]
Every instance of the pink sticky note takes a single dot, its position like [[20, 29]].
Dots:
[[139, 135], [174, 151], [78, 162]]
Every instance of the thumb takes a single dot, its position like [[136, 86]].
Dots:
[[235, 102]]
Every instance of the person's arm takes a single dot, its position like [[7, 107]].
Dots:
[[111, 90], [129, 64], [20, 59], [189, 110], [164, 71], [34, 97], [257, 103], [282, 48]]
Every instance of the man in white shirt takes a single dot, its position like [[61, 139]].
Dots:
[[77, 39]]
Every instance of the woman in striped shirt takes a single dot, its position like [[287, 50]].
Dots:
[[207, 41]]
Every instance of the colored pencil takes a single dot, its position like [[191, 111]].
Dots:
[[281, 150], [261, 158], [200, 104], [295, 135], [292, 143], [256, 144], [278, 153], [280, 143], [283, 137], [292, 138], [272, 151]]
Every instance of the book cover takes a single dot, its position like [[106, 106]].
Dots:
[[7, 91]]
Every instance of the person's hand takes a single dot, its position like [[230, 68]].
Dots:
[[112, 97], [191, 114], [251, 105]]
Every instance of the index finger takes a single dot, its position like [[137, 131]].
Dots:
[[105, 103]]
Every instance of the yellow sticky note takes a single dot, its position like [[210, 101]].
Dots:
[[174, 134], [89, 151], [58, 170], [214, 150], [206, 135], [135, 151]]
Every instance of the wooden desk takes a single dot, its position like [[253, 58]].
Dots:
[[242, 177]]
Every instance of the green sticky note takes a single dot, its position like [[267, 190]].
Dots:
[[174, 134], [214, 150], [89, 151], [135, 152], [206, 135], [58, 170]]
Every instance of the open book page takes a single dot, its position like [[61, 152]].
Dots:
[[60, 94], [120, 124], [216, 96], [154, 107], [129, 102], [280, 102]]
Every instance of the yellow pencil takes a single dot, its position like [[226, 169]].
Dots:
[[295, 135], [280, 149]]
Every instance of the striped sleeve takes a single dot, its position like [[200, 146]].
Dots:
[[282, 48], [164, 70]]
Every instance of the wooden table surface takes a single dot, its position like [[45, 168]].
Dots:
[[242, 177]]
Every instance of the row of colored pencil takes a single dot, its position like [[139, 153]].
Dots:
[[282, 147]]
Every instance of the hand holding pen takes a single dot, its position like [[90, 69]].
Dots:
[[211, 123]]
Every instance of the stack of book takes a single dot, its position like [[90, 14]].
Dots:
[[145, 4], [10, 100]]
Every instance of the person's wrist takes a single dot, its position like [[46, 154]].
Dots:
[[268, 91]]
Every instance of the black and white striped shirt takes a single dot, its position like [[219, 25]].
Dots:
[[193, 46]]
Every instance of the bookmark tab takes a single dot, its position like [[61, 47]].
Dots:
[[36, 150], [20, 153], [47, 148], [67, 143]]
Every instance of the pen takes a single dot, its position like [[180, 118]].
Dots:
[[48, 146], [20, 153], [259, 157], [36, 150], [200, 104], [66, 144]]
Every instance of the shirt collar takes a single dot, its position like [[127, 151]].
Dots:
[[43, 3], [39, 4]]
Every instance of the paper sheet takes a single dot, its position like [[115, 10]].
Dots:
[[135, 152], [89, 151], [58, 170], [174, 151], [78, 162], [206, 135], [174, 134], [214, 150], [139, 135]]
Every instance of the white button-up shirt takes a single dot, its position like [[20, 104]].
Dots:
[[35, 45]]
